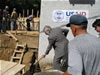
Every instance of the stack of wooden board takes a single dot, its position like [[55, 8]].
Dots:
[[10, 68]]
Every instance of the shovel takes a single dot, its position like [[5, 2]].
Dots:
[[37, 61], [35, 66]]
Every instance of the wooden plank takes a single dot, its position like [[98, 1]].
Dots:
[[22, 53], [19, 51], [6, 65], [15, 70], [25, 32], [10, 68], [36, 19], [33, 33], [16, 58], [12, 36], [20, 45], [12, 56], [21, 57], [14, 52]]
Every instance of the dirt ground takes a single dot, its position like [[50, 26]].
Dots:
[[7, 46]]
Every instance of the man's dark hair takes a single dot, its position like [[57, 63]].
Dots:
[[96, 23]]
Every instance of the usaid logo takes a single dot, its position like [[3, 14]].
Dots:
[[58, 16], [64, 15]]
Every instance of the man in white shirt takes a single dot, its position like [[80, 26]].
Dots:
[[83, 50]]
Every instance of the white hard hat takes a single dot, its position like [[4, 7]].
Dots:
[[6, 7]]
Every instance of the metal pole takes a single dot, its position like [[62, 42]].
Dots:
[[27, 12], [32, 11]]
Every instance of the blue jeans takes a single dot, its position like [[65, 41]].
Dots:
[[3, 27]]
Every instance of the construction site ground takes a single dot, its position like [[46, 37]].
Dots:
[[7, 46]]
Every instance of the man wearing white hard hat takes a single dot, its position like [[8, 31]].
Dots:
[[4, 19]]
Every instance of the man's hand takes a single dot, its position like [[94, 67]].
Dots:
[[44, 56], [66, 73]]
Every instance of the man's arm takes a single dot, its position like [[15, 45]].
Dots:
[[51, 42], [74, 61], [65, 30]]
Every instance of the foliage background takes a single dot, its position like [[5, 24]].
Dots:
[[21, 4]]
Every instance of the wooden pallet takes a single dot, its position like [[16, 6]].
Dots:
[[18, 53]]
